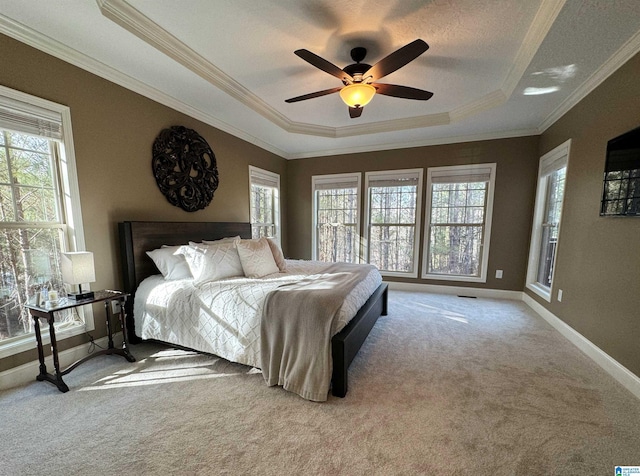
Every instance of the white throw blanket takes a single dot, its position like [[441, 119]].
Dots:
[[297, 325]]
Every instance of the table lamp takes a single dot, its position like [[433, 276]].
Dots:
[[77, 268]]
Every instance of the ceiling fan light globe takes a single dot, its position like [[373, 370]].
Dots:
[[357, 94]]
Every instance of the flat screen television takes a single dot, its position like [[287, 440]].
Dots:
[[621, 187]]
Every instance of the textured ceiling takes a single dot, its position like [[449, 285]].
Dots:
[[497, 68]]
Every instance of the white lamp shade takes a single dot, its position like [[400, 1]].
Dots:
[[77, 267]]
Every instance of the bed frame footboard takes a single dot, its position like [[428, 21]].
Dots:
[[346, 343]]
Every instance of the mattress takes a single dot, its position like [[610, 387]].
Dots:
[[223, 317]]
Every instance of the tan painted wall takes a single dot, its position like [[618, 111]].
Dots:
[[113, 131], [516, 173], [598, 262]]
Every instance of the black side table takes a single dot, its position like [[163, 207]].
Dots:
[[46, 312]]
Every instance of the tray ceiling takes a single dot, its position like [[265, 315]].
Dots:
[[496, 68]]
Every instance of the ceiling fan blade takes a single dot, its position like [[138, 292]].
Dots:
[[355, 112], [397, 59], [317, 94], [402, 91], [323, 64]]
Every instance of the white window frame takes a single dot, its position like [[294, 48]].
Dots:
[[72, 212], [550, 162], [269, 179], [461, 170], [395, 174], [319, 180]]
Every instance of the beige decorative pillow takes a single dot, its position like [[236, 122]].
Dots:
[[277, 254], [212, 262], [256, 258]]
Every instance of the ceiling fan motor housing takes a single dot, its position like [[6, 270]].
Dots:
[[357, 69]]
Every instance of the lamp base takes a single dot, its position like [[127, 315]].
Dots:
[[81, 296]]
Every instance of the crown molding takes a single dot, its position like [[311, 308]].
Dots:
[[134, 21], [54, 48], [539, 28], [627, 51], [418, 143], [537, 32], [406, 123]]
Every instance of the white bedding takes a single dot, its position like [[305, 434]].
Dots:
[[223, 317]]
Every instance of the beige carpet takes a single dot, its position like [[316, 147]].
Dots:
[[443, 385]]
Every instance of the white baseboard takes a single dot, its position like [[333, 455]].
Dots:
[[457, 290], [619, 372], [27, 372]]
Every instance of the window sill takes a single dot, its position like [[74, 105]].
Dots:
[[464, 279], [28, 341], [544, 293], [398, 274]]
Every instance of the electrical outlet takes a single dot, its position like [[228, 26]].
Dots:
[[116, 308], [498, 274], [559, 295]]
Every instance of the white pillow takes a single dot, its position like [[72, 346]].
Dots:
[[212, 262], [171, 265], [256, 258], [277, 254]]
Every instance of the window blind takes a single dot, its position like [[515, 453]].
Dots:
[[335, 183], [554, 161], [462, 175], [393, 180], [30, 119], [261, 177]]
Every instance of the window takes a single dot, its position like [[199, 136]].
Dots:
[[336, 201], [393, 215], [39, 213], [546, 220], [264, 203], [458, 228]]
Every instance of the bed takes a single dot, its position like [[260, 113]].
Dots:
[[136, 238]]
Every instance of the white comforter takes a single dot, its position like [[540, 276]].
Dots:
[[223, 317]]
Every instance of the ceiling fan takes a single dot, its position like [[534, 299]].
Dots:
[[358, 78]]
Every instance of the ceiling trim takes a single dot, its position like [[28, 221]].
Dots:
[[54, 48], [418, 143], [134, 21], [544, 18], [538, 30], [627, 51]]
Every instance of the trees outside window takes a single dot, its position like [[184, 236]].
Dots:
[[264, 200], [37, 188], [393, 216], [460, 200], [336, 201], [546, 220]]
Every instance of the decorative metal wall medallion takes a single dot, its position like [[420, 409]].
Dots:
[[185, 168]]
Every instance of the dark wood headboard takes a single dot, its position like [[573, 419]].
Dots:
[[138, 237]]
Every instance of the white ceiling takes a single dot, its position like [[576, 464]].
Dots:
[[497, 68]]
